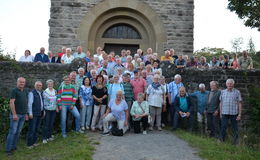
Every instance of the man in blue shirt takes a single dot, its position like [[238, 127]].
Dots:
[[41, 57], [173, 90], [202, 97]]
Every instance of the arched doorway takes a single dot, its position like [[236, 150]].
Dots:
[[129, 18]]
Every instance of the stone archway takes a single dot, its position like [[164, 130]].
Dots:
[[132, 12]]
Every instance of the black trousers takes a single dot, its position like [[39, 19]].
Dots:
[[137, 127]]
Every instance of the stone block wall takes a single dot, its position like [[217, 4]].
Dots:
[[244, 79], [176, 16]]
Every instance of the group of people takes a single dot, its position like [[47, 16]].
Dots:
[[181, 61], [131, 92]]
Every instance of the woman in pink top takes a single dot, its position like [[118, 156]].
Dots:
[[235, 64], [138, 84]]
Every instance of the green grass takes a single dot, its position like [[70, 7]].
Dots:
[[211, 149], [75, 146]]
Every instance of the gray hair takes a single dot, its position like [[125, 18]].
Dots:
[[202, 85], [68, 49], [177, 76], [230, 80], [214, 82], [120, 92], [37, 83], [81, 69], [49, 81], [156, 76]]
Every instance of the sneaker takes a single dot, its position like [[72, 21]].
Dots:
[[81, 131], [36, 144], [51, 139], [9, 153], [83, 128], [44, 141], [87, 128], [159, 128], [163, 125], [30, 147], [144, 132], [105, 133], [64, 136], [151, 128]]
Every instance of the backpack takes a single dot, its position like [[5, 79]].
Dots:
[[117, 132]]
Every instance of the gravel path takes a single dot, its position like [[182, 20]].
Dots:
[[155, 145]]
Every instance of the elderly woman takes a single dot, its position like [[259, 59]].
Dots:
[[182, 104], [86, 100], [115, 87], [27, 57], [99, 92], [156, 99], [50, 107], [117, 111], [140, 112], [67, 58]]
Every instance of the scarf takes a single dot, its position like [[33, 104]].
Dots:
[[156, 85]]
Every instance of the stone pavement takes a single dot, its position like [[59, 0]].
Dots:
[[156, 145]]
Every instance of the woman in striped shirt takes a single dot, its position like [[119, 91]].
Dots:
[[66, 99]]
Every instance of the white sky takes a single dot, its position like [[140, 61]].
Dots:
[[24, 25]]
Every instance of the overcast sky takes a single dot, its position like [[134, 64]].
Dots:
[[24, 25]]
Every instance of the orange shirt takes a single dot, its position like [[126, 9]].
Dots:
[[163, 58]]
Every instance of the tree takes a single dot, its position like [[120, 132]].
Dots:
[[236, 44], [209, 53], [249, 10], [251, 46]]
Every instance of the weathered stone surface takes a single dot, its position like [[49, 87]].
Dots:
[[176, 16]]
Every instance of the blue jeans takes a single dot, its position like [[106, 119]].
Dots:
[[85, 116], [224, 125], [14, 131], [76, 115], [34, 124], [48, 124]]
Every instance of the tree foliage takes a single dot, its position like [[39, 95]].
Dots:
[[249, 10], [251, 46], [209, 53], [236, 44]]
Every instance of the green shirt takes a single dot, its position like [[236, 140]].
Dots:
[[129, 95], [21, 100]]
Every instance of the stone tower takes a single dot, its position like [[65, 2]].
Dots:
[[118, 24]]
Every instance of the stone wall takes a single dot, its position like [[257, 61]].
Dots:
[[176, 16], [244, 79]]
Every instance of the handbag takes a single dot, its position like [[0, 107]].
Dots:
[[149, 116]]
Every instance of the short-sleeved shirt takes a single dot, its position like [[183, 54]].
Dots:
[[114, 88], [99, 93], [174, 88], [155, 97], [21, 100], [66, 59], [230, 101], [118, 110], [138, 86]]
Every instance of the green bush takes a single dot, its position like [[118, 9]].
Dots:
[[4, 123]]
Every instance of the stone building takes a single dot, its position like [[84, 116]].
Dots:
[[118, 24]]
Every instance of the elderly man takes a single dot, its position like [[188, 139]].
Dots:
[[50, 56], [230, 109], [63, 51], [67, 58], [18, 114], [105, 67], [118, 65], [138, 83], [167, 56], [212, 110], [173, 90], [79, 53], [201, 96], [36, 112], [56, 58], [245, 61], [123, 56], [41, 57], [180, 62], [80, 76]]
